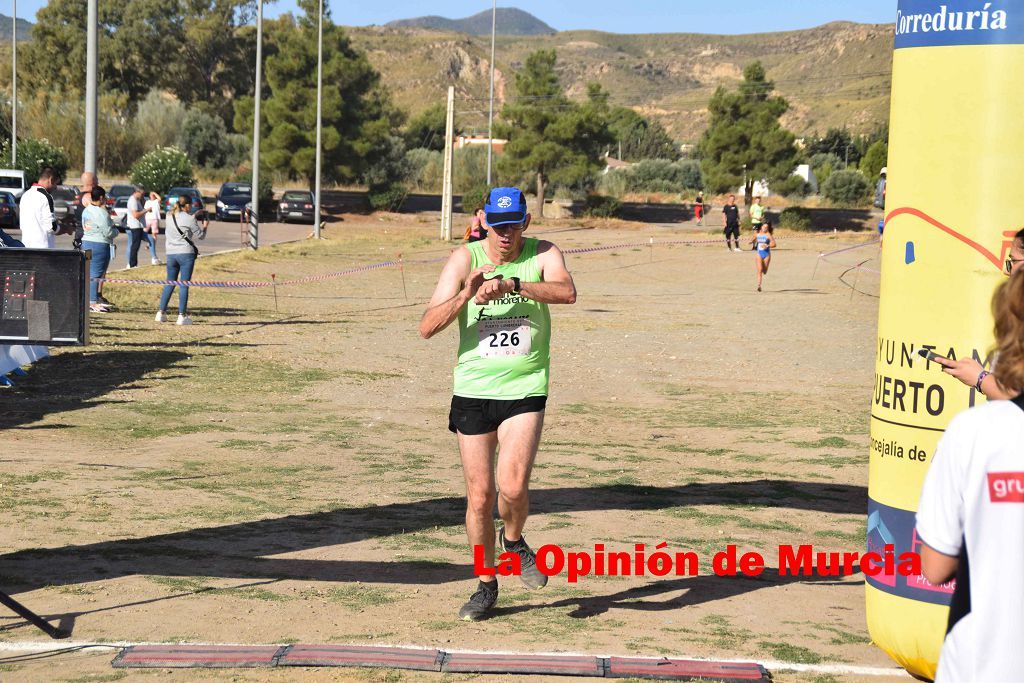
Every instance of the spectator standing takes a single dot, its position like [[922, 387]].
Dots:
[[136, 214], [698, 208], [38, 224], [98, 234], [971, 517], [182, 232], [732, 224], [152, 228], [476, 230]]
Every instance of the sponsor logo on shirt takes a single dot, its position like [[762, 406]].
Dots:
[[1006, 487]]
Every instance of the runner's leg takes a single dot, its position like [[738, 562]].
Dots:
[[519, 437], [477, 451]]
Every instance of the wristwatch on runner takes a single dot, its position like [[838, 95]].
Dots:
[[517, 284]]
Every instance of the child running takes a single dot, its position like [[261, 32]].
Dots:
[[765, 242]]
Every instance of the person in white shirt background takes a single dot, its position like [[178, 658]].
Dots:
[[39, 226], [971, 516]]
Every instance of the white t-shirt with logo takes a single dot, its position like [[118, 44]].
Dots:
[[973, 501]]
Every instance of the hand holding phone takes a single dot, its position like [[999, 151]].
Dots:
[[933, 357]]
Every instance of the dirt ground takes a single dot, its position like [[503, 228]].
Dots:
[[286, 475]]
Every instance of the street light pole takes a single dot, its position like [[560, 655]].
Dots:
[[254, 216], [319, 112], [92, 44], [490, 110]]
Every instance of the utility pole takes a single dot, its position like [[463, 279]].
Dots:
[[446, 189], [14, 82], [319, 112], [254, 215], [490, 111], [91, 58]]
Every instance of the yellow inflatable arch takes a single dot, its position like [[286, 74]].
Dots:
[[955, 172]]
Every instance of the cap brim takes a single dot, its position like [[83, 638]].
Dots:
[[514, 218]]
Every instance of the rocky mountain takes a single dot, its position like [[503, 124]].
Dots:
[[833, 75], [508, 21]]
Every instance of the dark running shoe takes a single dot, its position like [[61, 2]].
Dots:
[[480, 603], [530, 576]]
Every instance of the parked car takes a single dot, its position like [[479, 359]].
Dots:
[[231, 200], [171, 198], [295, 205], [13, 181], [119, 213], [117, 191], [8, 210], [64, 201]]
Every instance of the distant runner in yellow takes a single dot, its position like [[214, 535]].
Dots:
[[499, 290]]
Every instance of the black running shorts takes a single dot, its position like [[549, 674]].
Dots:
[[733, 230], [473, 416]]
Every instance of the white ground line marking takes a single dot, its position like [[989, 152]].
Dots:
[[852, 669]]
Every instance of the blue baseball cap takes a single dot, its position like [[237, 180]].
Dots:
[[505, 206]]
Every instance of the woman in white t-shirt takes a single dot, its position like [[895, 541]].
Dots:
[[971, 516], [152, 207]]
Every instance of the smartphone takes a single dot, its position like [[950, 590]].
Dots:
[[931, 355]]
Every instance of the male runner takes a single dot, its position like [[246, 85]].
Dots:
[[731, 213], [501, 380], [756, 215]]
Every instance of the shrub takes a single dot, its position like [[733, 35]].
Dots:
[[848, 188], [204, 137], [162, 169], [33, 155], [387, 197], [159, 118], [874, 159], [823, 164], [425, 169], [661, 175], [795, 218], [793, 186], [614, 183], [469, 167], [474, 197], [599, 206]]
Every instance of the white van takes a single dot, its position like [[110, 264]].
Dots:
[[12, 181]]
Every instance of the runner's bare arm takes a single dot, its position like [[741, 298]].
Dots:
[[456, 286], [556, 286], [937, 567]]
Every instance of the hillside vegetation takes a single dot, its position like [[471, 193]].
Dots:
[[836, 75]]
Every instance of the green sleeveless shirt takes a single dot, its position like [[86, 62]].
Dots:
[[504, 346]]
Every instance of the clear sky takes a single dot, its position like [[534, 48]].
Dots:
[[639, 16]]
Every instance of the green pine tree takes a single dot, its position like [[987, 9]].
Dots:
[[359, 135], [745, 140], [551, 139]]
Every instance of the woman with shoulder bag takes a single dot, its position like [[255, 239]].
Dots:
[[179, 245]]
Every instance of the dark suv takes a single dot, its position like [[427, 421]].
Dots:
[[231, 200]]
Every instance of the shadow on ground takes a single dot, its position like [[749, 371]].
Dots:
[[247, 549], [73, 381]]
